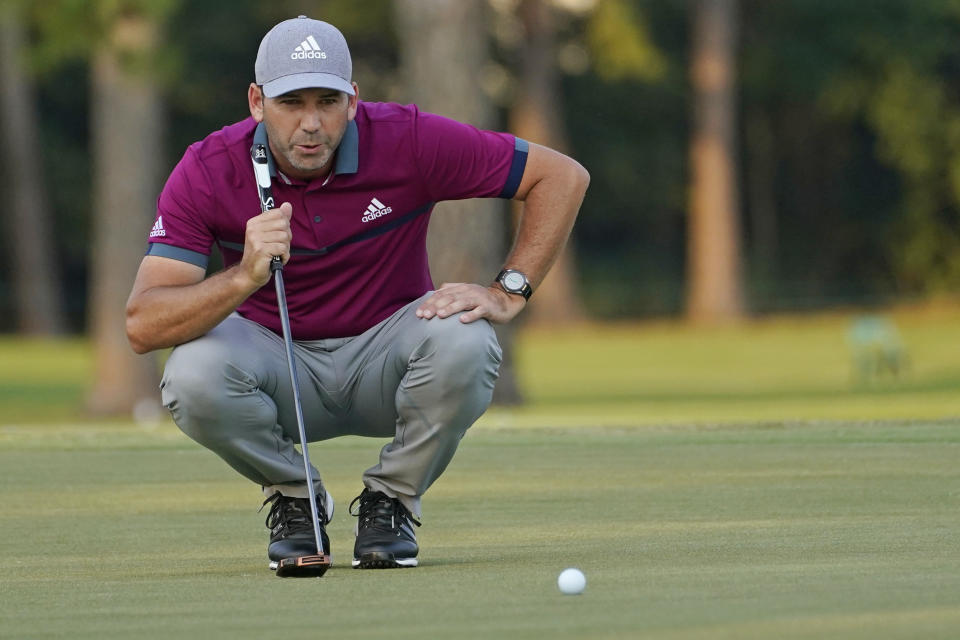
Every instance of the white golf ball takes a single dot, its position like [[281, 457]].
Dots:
[[572, 582]]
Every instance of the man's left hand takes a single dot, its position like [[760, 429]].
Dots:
[[492, 303]]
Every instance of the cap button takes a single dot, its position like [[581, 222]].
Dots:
[[301, 16]]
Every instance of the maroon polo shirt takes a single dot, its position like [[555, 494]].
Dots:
[[359, 236]]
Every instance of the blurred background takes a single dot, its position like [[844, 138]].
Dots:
[[749, 160]]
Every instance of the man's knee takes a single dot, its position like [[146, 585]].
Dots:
[[202, 382], [464, 354], [193, 371]]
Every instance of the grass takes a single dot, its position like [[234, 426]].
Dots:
[[811, 530], [774, 369], [725, 483], [777, 369], [43, 380]]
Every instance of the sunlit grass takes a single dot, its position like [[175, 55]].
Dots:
[[772, 369], [785, 368]]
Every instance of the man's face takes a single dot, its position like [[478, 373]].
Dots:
[[304, 127]]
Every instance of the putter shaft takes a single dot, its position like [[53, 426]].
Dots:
[[277, 267], [260, 154]]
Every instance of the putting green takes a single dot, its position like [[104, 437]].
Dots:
[[798, 531]]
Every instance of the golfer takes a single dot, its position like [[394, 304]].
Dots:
[[379, 352]]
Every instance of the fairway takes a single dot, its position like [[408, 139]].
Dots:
[[755, 531]]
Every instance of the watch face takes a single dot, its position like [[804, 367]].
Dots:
[[513, 281]]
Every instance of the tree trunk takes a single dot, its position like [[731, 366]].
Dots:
[[126, 136], [536, 116], [33, 265], [761, 194], [715, 285], [443, 49]]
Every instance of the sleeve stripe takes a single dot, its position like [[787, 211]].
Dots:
[[521, 147], [176, 253]]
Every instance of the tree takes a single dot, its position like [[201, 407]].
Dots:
[[897, 75], [127, 135], [535, 115], [443, 49], [33, 267], [120, 39], [715, 285]]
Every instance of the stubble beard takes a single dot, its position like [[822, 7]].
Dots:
[[304, 165], [311, 164]]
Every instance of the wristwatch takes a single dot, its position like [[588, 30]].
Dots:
[[515, 282]]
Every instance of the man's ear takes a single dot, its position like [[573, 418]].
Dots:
[[352, 102], [255, 101]]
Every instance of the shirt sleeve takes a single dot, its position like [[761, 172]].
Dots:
[[458, 161], [180, 230]]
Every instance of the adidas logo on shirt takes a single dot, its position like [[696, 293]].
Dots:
[[375, 210], [308, 49], [157, 231]]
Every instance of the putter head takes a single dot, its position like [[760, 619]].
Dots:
[[304, 566]]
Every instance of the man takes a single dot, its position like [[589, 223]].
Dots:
[[378, 352]]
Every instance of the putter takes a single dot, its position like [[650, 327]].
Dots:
[[309, 565]]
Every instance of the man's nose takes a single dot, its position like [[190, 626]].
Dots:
[[310, 121]]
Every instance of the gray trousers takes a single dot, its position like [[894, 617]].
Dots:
[[420, 382]]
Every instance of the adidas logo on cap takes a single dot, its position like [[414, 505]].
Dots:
[[308, 49]]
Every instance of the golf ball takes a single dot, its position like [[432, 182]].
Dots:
[[572, 581]]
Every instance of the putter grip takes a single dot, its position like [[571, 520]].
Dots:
[[276, 264]]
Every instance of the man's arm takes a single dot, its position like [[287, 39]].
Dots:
[[552, 191], [172, 303]]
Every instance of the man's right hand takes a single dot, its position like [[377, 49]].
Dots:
[[173, 302], [268, 235]]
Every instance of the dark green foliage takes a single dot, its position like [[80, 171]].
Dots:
[[849, 153]]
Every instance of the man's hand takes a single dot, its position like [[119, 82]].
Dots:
[[492, 303], [268, 235]]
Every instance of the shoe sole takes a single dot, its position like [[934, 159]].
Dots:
[[276, 563], [379, 560]]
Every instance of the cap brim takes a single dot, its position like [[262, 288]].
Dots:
[[296, 81]]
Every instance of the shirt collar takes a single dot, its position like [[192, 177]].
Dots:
[[348, 153]]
